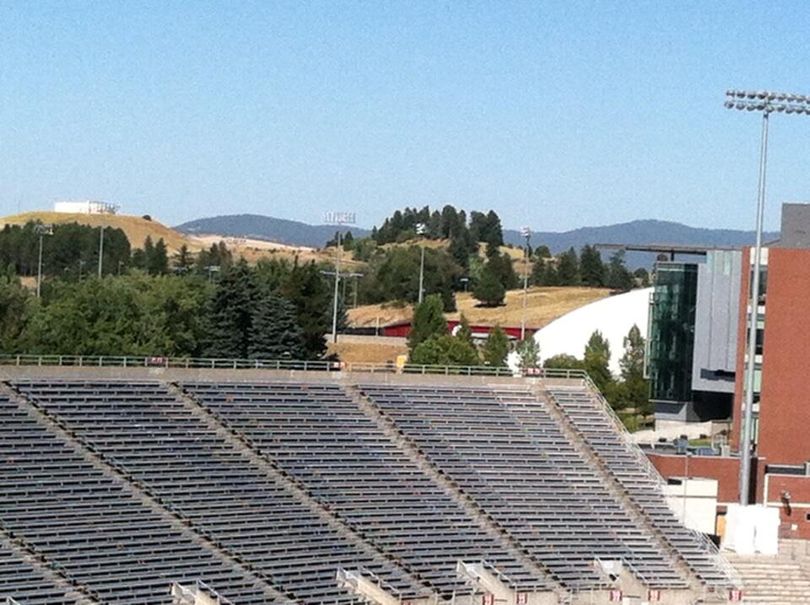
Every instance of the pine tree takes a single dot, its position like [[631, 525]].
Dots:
[[528, 353], [496, 348], [568, 268], [489, 290], [182, 260], [230, 316], [591, 268], [619, 278], [597, 359], [275, 333], [635, 388], [464, 330], [157, 258], [428, 321]]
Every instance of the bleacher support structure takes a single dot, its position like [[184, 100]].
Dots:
[[288, 487]]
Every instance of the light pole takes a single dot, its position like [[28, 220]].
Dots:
[[339, 219], [527, 233], [420, 230], [100, 251], [766, 103], [41, 230]]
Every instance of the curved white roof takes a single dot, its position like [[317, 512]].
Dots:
[[612, 316]]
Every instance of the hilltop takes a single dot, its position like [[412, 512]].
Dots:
[[297, 233], [136, 228]]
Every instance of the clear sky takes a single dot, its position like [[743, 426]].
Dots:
[[555, 114]]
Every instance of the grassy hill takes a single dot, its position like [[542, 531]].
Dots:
[[138, 228], [544, 305], [135, 227]]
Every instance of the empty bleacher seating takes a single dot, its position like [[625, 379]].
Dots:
[[160, 442], [533, 482], [636, 475], [318, 434], [88, 525]]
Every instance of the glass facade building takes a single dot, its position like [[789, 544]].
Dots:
[[672, 332]]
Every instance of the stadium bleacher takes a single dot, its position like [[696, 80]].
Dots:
[[265, 488], [635, 474], [320, 436], [91, 527]]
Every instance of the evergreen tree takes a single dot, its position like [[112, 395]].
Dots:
[[231, 313], [275, 332], [182, 260], [428, 320], [528, 351], [597, 359], [568, 268], [635, 388], [619, 278], [311, 295], [501, 265], [494, 231], [489, 290], [591, 268], [464, 331], [496, 348]]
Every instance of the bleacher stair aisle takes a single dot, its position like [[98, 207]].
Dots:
[[388, 428], [529, 413], [626, 467]]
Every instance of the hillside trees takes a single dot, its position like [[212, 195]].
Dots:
[[428, 321]]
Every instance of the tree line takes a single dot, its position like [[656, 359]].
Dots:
[[273, 310], [471, 256]]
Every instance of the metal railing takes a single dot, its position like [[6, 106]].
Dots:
[[116, 361], [649, 469]]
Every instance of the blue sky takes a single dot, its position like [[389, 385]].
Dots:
[[555, 114]]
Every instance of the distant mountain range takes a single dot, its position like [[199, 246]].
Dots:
[[257, 226], [635, 232]]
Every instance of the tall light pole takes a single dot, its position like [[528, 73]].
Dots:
[[420, 231], [100, 251], [339, 219], [766, 103], [41, 230], [527, 233]]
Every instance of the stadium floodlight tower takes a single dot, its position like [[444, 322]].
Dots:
[[420, 231], [339, 219], [527, 233], [765, 102], [101, 251], [41, 230]]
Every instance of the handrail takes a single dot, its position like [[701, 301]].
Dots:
[[647, 466], [122, 361]]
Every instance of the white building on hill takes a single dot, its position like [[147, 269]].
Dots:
[[85, 207]]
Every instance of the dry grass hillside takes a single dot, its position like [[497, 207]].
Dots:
[[135, 227], [138, 228], [544, 305]]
